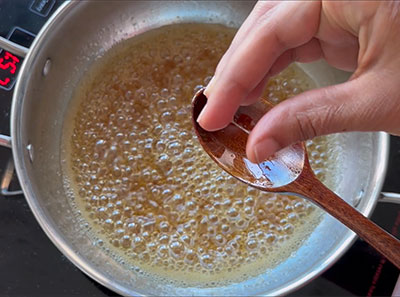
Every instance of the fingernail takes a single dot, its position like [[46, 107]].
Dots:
[[202, 113], [265, 148], [209, 87], [206, 93]]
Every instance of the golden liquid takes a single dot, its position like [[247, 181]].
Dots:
[[144, 184]]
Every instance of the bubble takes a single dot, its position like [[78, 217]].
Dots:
[[125, 241], [138, 244], [177, 80], [232, 213], [219, 240], [191, 257], [177, 249], [299, 206], [271, 238], [288, 229], [207, 261], [162, 251], [164, 226], [164, 238], [225, 229], [133, 228], [144, 257], [164, 93]]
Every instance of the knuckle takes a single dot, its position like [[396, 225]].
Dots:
[[240, 87], [318, 121], [306, 127]]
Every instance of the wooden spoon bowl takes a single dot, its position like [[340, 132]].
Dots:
[[288, 171]]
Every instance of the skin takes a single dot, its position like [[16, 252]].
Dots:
[[358, 36]]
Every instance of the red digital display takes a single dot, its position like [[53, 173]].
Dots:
[[8, 69]]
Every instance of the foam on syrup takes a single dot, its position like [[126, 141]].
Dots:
[[143, 183]]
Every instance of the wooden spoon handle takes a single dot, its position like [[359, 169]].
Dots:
[[378, 238]]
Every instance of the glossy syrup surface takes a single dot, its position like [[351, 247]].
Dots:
[[144, 185], [227, 147]]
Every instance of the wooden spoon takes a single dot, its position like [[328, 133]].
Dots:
[[288, 171]]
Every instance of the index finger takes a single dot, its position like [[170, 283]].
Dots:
[[285, 26]]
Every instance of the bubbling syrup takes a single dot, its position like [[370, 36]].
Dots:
[[142, 181]]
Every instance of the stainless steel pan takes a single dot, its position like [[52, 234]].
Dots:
[[79, 33]]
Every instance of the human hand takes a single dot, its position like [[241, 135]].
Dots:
[[359, 36]]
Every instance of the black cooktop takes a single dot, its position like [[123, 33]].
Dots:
[[30, 265]]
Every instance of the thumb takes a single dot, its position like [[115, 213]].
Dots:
[[356, 105]]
